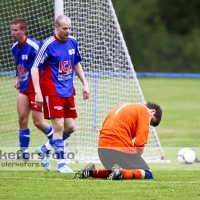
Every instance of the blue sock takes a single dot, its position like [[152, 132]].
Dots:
[[65, 136], [44, 148], [148, 175], [58, 146], [24, 138], [49, 131]]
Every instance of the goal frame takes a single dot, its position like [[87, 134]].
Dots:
[[91, 115]]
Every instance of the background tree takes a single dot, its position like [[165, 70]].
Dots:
[[161, 36]]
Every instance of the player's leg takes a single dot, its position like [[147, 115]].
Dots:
[[120, 173], [70, 115], [69, 126], [57, 142], [23, 108], [106, 156], [43, 151], [130, 166], [69, 118], [38, 118], [66, 135], [91, 171]]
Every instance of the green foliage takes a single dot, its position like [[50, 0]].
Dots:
[[180, 16], [153, 31]]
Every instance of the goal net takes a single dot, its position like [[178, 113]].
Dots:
[[106, 62]]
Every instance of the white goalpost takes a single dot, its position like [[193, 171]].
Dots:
[[106, 62]]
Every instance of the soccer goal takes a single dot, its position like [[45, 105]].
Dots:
[[106, 62]]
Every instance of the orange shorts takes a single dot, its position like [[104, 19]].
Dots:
[[31, 97], [58, 107]]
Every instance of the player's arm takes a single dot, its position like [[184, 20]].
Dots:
[[140, 149], [79, 72], [141, 140], [36, 84], [16, 83], [142, 131], [39, 62]]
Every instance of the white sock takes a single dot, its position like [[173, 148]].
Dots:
[[48, 145]]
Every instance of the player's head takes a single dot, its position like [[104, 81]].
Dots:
[[156, 113], [18, 29], [63, 27]]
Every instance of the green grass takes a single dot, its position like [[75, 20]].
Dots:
[[168, 184], [179, 99], [179, 128]]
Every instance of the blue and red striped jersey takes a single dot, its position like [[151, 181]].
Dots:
[[57, 59], [24, 56]]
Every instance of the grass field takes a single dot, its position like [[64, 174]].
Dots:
[[179, 128]]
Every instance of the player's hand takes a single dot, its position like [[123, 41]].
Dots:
[[16, 83], [86, 92], [38, 100]]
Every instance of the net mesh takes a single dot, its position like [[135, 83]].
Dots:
[[106, 63]]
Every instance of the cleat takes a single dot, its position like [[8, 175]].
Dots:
[[65, 169], [44, 158], [21, 157], [85, 172], [116, 173], [46, 163]]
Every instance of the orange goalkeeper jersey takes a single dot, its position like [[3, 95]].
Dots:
[[125, 128]]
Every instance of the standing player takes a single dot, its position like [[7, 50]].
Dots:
[[59, 57], [119, 154], [24, 52]]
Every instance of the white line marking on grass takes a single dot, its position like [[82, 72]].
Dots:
[[55, 179], [105, 180]]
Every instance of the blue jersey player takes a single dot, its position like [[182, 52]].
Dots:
[[24, 52], [59, 58]]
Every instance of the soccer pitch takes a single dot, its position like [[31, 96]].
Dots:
[[179, 128]]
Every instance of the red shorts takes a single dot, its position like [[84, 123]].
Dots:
[[31, 97], [58, 107]]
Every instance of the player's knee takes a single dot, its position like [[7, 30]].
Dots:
[[23, 121], [69, 129], [148, 175], [69, 125], [38, 123]]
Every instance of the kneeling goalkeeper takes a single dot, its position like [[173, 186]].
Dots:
[[121, 143]]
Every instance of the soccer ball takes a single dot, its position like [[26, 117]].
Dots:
[[186, 156]]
